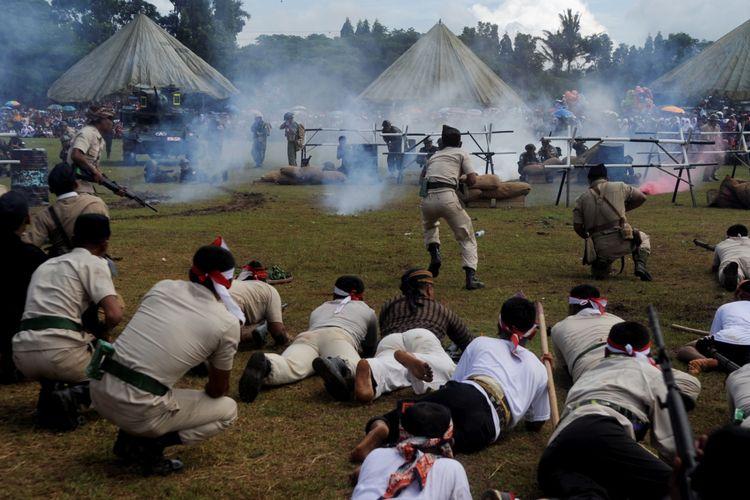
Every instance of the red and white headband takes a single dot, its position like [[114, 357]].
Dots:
[[598, 304]]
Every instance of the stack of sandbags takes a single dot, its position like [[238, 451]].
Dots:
[[489, 190], [733, 193], [292, 176]]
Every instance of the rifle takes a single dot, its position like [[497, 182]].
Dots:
[[706, 347], [703, 245], [116, 189], [683, 434]]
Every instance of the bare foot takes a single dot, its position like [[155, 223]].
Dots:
[[421, 370], [376, 437], [363, 389], [697, 366]]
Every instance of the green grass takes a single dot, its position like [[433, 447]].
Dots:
[[294, 441]]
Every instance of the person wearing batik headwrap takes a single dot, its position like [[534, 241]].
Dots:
[[594, 452], [580, 339], [410, 352], [179, 324], [261, 304], [421, 465], [440, 201], [497, 384], [339, 331]]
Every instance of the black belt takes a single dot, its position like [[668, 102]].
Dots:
[[639, 426], [440, 185]]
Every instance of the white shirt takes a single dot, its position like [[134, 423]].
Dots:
[[447, 479], [521, 375], [732, 323], [738, 391]]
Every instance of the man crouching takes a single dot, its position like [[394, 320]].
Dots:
[[178, 325]]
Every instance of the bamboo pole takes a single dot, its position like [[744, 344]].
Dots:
[[555, 412], [694, 331]]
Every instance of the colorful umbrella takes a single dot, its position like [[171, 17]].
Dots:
[[12, 104], [673, 109], [563, 113]]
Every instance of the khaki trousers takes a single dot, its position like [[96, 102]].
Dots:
[[390, 375], [291, 152], [193, 414], [295, 363], [60, 365], [444, 204]]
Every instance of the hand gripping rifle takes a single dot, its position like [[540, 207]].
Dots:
[[703, 245], [116, 189], [683, 434]]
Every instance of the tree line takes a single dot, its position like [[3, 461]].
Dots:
[[43, 38]]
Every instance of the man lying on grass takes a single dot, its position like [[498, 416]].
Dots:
[[497, 383]]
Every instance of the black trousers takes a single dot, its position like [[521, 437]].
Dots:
[[473, 427], [740, 354], [594, 457]]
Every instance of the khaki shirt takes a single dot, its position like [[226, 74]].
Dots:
[[43, 229], [578, 333], [738, 392], [733, 249], [631, 383], [357, 318], [65, 287], [258, 300], [447, 165], [178, 325], [91, 142], [593, 212]]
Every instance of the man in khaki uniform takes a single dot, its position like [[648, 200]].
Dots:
[[594, 451], [439, 200], [599, 218], [339, 331], [580, 339], [261, 304], [293, 137], [178, 325], [54, 226], [87, 145], [53, 343], [732, 258]]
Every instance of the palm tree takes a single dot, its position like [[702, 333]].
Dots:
[[566, 44]]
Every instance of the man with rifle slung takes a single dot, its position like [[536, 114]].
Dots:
[[594, 452]]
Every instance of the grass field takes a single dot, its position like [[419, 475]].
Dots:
[[293, 442]]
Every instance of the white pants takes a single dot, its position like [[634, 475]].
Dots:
[[295, 363], [390, 375]]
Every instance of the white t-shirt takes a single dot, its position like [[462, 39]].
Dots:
[[732, 323], [447, 479], [522, 377]]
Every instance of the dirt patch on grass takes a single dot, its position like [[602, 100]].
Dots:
[[238, 202]]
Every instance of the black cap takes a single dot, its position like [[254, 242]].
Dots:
[[451, 137], [425, 419], [350, 284], [213, 258], [91, 229], [14, 208], [630, 332], [597, 172], [62, 179]]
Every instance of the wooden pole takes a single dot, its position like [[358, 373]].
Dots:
[[555, 412], [694, 331]]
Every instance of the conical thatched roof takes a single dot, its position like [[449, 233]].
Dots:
[[141, 53], [439, 68], [723, 69]]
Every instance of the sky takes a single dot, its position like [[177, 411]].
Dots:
[[626, 21]]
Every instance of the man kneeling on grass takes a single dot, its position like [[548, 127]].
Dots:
[[178, 325], [421, 465], [339, 331], [497, 383], [410, 352]]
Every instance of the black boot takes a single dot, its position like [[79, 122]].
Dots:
[[338, 378], [731, 276], [57, 407], [81, 394], [435, 259], [153, 462], [640, 257], [472, 282], [260, 335], [258, 368]]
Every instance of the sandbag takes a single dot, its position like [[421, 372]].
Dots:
[[474, 194], [271, 177], [293, 172], [487, 182], [311, 175], [733, 193], [285, 180], [333, 177], [534, 169], [507, 190]]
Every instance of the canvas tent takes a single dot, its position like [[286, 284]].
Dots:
[[440, 69], [141, 53], [723, 68]]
